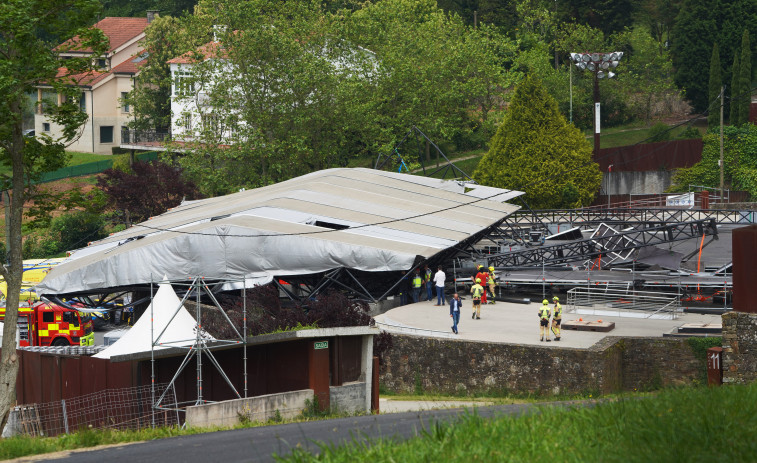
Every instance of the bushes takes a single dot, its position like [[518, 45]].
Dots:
[[66, 232]]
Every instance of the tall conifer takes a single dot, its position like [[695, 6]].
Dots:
[[735, 91], [716, 82], [745, 79]]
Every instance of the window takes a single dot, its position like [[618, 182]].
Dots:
[[48, 317], [183, 83], [106, 134], [102, 63], [211, 123], [124, 103], [83, 102], [45, 126], [187, 122], [68, 317]]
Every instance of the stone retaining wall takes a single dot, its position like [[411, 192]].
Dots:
[[614, 364], [739, 347]]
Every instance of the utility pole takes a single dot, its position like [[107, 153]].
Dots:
[[722, 92]]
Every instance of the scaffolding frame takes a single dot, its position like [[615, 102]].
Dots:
[[202, 344]]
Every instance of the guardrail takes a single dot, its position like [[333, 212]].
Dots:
[[623, 303]]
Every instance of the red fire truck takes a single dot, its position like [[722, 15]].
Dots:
[[47, 324]]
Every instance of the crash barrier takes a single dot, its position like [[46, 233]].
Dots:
[[121, 409], [89, 168], [623, 303]]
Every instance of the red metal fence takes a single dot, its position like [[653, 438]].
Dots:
[[664, 155]]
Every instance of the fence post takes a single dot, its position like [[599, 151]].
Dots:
[[65, 415]]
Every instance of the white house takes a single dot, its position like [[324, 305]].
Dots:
[[102, 90]]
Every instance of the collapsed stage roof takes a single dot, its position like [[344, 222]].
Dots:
[[359, 219]]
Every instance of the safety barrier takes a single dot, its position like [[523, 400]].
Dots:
[[89, 168], [623, 303]]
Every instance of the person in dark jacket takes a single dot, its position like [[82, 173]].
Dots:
[[455, 306]]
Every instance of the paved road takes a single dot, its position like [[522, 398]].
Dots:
[[259, 444]]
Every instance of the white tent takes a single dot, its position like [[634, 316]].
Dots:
[[180, 331]]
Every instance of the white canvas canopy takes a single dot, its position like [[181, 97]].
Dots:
[[179, 332], [361, 219]]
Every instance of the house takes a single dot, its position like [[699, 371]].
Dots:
[[102, 90], [194, 119]]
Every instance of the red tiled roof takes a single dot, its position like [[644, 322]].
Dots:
[[209, 50], [118, 30], [127, 67]]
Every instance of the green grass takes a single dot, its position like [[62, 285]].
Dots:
[[627, 135], [679, 425], [20, 446]]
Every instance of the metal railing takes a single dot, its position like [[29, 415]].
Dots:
[[131, 137], [623, 303]]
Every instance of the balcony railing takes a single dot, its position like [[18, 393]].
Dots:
[[134, 137]]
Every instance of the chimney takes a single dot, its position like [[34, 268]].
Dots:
[[151, 15]]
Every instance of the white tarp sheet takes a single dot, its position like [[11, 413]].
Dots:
[[180, 331], [360, 219]]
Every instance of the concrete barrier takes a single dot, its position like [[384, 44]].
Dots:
[[261, 408]]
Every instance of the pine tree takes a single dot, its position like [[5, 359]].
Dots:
[[745, 79], [535, 150], [735, 91], [716, 82]]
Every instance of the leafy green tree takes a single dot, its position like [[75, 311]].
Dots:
[[610, 16], [735, 91], [745, 79], [659, 17], [165, 38], [739, 166], [536, 151], [27, 58], [716, 84]]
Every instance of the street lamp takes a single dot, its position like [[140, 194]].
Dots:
[[599, 64]]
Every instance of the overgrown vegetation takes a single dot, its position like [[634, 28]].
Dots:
[[740, 161], [689, 424]]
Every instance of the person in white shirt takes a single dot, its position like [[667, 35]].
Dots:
[[439, 278]]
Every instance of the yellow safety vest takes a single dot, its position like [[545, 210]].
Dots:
[[477, 290], [491, 278], [417, 281], [544, 312], [558, 310]]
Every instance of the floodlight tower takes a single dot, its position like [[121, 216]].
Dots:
[[599, 64]]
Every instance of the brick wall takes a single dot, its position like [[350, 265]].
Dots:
[[739, 347], [454, 367]]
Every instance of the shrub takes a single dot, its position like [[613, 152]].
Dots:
[[659, 132]]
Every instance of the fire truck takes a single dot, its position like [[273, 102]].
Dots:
[[47, 324]]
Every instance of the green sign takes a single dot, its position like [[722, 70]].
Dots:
[[322, 345]]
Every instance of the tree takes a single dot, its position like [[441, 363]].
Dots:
[[149, 190], [745, 80], [734, 117], [165, 38], [700, 24], [716, 85], [28, 57], [536, 151]]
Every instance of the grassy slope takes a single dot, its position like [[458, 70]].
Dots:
[[676, 425], [687, 424]]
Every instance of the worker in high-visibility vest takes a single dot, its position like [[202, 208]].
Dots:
[[492, 283], [484, 277], [544, 313], [556, 317], [417, 282], [477, 290]]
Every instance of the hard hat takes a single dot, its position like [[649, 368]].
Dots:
[[545, 302], [480, 266], [478, 280], [555, 298], [491, 269]]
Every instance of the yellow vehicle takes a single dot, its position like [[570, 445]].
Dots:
[[35, 271]]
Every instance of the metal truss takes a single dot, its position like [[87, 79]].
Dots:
[[603, 244], [621, 217]]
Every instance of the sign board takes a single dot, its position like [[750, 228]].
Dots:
[[686, 199], [321, 345]]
